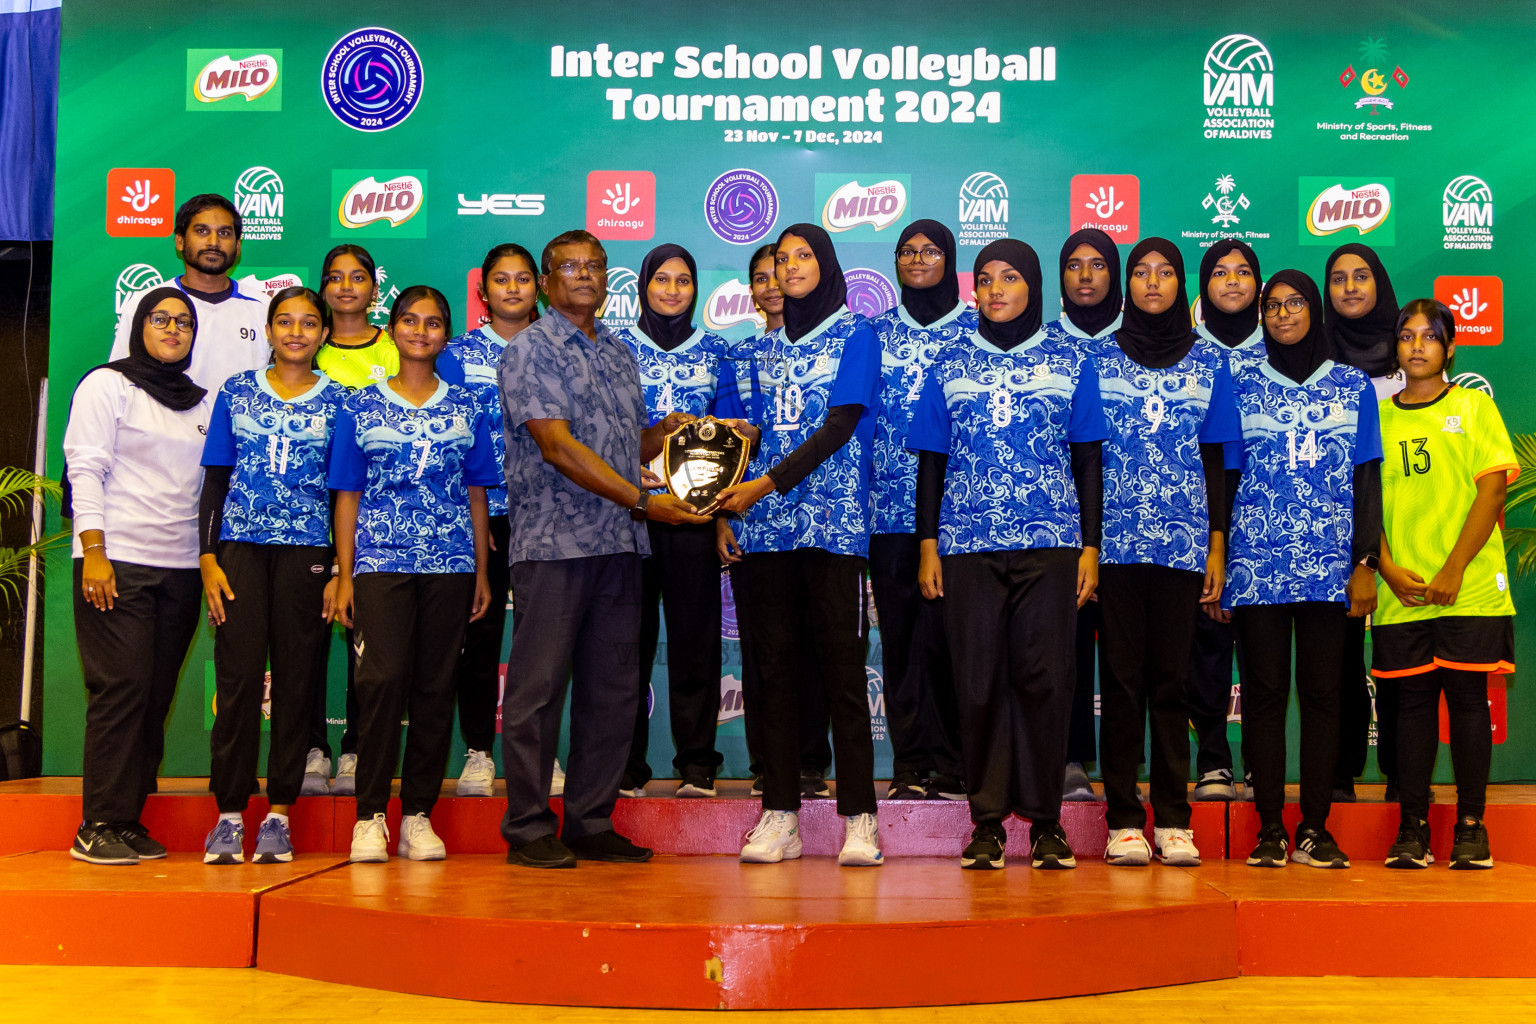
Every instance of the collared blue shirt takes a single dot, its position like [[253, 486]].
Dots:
[[697, 377], [470, 361], [1245, 355], [552, 371]]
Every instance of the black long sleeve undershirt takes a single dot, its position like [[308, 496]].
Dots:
[[210, 507], [816, 449], [1087, 478], [1366, 521], [931, 467], [1215, 486]]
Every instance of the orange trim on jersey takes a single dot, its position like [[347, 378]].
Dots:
[[1513, 469], [1503, 667], [1398, 673]]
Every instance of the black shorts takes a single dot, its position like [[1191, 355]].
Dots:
[[1469, 643]]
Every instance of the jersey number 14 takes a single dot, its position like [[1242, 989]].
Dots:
[[1307, 451]]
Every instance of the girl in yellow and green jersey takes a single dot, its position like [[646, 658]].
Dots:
[[357, 354], [1444, 618]]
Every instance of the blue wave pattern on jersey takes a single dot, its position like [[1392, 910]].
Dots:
[[477, 353], [1005, 420], [1156, 510], [414, 468], [685, 379], [280, 451], [797, 382], [907, 352], [1292, 524]]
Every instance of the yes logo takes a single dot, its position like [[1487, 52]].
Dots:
[[1478, 306], [1109, 202], [621, 204], [222, 80], [389, 204], [141, 202]]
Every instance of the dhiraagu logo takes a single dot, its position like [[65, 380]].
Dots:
[[1338, 210], [238, 80]]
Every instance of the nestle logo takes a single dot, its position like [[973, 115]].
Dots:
[[1365, 193]]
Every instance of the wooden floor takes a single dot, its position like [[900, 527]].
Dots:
[[216, 994]]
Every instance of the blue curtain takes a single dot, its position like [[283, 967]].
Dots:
[[29, 106]]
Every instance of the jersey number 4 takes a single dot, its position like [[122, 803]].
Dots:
[[1418, 461]]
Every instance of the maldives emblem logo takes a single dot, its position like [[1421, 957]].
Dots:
[[853, 205], [1372, 80], [372, 79], [383, 203], [234, 80], [1335, 206], [741, 206]]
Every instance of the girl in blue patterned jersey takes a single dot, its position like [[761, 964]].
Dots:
[[1168, 400], [267, 570], [1305, 533], [509, 287], [919, 693], [805, 537], [1009, 498], [682, 369], [411, 461]]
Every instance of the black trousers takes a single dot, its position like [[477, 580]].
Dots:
[[1388, 729], [131, 658], [1210, 691], [274, 617], [1418, 728], [681, 578], [319, 732], [409, 630], [479, 680], [576, 619], [1082, 745], [920, 706], [1265, 632], [1354, 705], [815, 719], [1011, 618], [808, 609], [1149, 623]]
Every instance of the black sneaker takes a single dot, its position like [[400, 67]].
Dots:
[[1048, 849], [985, 850], [907, 786], [698, 781], [1411, 850], [608, 846], [813, 783], [1271, 849], [1470, 851], [99, 842], [543, 852], [1344, 792], [1389, 795], [946, 787], [137, 836], [1316, 848]]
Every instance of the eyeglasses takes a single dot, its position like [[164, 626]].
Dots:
[[928, 257], [1293, 305], [164, 321], [573, 268]]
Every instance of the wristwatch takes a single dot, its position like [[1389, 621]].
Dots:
[[637, 510], [1370, 562]]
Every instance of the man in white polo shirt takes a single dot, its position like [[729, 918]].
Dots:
[[231, 316]]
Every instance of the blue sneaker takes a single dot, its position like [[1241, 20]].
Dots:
[[225, 844], [273, 844]]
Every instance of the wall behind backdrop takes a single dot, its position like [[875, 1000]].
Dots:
[[429, 133]]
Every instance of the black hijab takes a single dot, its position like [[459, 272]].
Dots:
[[1157, 340], [803, 315], [166, 383], [1301, 360], [1369, 342], [1093, 319], [1018, 255], [667, 332], [1231, 329], [929, 304]]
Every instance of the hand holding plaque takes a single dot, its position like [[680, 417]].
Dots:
[[702, 458]]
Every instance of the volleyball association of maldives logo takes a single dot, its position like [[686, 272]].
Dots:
[[741, 206], [372, 79], [1467, 213], [870, 292], [621, 308], [259, 198], [1238, 89], [983, 209], [135, 278]]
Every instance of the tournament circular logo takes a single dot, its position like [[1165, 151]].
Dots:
[[371, 79], [870, 293], [741, 206]]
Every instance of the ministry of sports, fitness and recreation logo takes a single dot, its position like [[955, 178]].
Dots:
[[379, 204], [870, 292], [372, 79], [1374, 86], [1239, 89], [983, 209], [239, 80], [1226, 205], [622, 306], [135, 278], [1477, 303], [876, 703], [259, 198], [730, 305], [378, 313], [1371, 79], [1329, 206], [1467, 213], [741, 206], [863, 204]]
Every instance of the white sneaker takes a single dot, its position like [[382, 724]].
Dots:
[[861, 845], [1127, 847], [345, 783], [557, 781], [370, 841], [776, 838], [317, 774], [479, 774], [418, 841], [1176, 846]]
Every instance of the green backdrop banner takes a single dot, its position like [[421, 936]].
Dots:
[[431, 132]]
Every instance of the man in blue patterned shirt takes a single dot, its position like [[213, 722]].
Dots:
[[575, 429]]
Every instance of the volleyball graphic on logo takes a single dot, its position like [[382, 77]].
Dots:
[[1468, 188], [1238, 52], [870, 293], [983, 185], [371, 79], [622, 306], [741, 206], [136, 277]]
